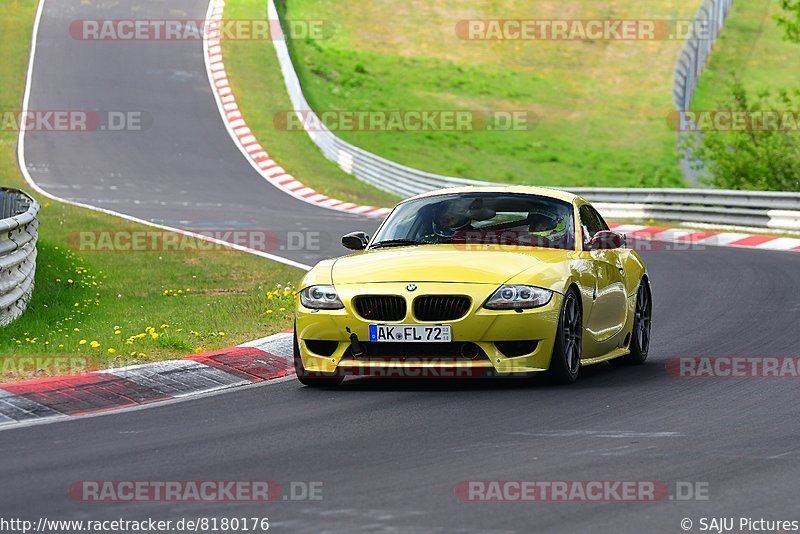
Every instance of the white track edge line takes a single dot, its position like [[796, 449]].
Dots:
[[29, 179]]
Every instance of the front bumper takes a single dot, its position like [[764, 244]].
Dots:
[[481, 327]]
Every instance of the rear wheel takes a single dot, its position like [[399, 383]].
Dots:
[[640, 334], [310, 378], [565, 364]]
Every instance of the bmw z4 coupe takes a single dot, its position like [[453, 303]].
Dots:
[[471, 282]]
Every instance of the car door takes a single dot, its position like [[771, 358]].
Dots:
[[608, 312]]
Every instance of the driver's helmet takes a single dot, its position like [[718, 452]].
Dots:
[[546, 223], [449, 218]]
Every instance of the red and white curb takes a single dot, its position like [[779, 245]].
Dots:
[[248, 144], [690, 238], [53, 398]]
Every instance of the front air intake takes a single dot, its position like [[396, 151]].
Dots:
[[381, 307], [441, 307]]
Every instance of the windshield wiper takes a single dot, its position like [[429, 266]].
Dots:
[[396, 243]]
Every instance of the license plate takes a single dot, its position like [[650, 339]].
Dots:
[[410, 333]]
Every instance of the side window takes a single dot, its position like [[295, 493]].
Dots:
[[591, 222], [600, 220]]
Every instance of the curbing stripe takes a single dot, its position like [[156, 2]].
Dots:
[[179, 378], [752, 241], [705, 237], [247, 143], [259, 361], [781, 243], [14, 408], [74, 395]]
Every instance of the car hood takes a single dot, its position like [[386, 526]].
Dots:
[[443, 263]]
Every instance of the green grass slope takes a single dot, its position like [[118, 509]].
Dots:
[[601, 105], [752, 49]]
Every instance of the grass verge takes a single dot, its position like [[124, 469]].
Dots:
[[101, 309]]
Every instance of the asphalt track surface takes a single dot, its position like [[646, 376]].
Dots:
[[390, 452], [182, 169]]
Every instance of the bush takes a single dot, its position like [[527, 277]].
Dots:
[[790, 21], [750, 159]]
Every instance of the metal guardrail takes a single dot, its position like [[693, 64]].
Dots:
[[693, 57], [778, 211], [753, 209], [18, 235]]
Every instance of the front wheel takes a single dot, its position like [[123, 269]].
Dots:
[[565, 364], [640, 334], [310, 378]]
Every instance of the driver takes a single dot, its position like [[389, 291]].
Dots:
[[545, 223], [450, 218]]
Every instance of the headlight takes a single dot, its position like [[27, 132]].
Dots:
[[518, 298], [321, 298]]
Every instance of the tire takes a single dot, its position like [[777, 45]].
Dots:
[[565, 363], [642, 321], [310, 378]]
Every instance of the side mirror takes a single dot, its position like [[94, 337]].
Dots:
[[607, 240], [355, 241]]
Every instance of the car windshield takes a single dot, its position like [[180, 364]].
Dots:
[[480, 218]]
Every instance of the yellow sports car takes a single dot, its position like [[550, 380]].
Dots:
[[471, 282]]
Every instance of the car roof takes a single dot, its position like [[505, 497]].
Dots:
[[520, 189]]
